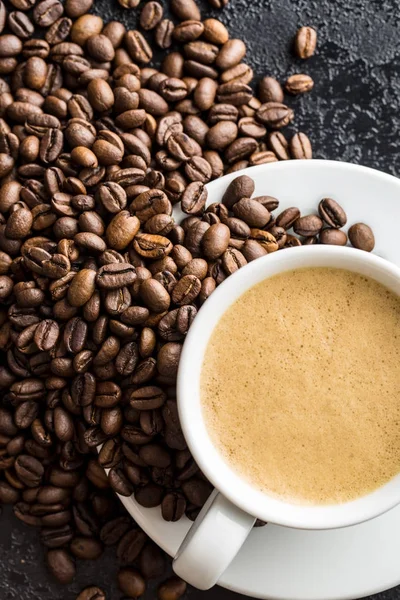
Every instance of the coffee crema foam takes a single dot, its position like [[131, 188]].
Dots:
[[300, 386]]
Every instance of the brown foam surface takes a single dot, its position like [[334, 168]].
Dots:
[[300, 385]]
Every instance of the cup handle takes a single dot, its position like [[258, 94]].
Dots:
[[212, 542]]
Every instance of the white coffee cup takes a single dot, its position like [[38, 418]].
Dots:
[[228, 516]]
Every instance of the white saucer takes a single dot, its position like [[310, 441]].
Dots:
[[289, 564]]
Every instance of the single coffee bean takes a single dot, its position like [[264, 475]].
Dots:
[[46, 334], [251, 212], [231, 53], [305, 42], [299, 84], [185, 10], [300, 146], [186, 290], [274, 115], [215, 31], [236, 93], [61, 565], [86, 548], [270, 90], [115, 275], [240, 187], [151, 561], [151, 15], [91, 593], [163, 33], [29, 470], [333, 236], [149, 495], [332, 213], [308, 226], [173, 506], [131, 583], [138, 47], [232, 260], [174, 587], [154, 296], [130, 545], [287, 217], [361, 236]]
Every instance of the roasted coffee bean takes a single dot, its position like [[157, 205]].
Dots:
[[194, 198], [29, 470], [131, 583], [149, 495], [115, 275], [231, 53], [91, 593], [251, 212], [308, 226], [174, 587], [305, 42], [47, 12], [173, 506], [287, 217], [299, 84], [333, 236], [292, 241], [154, 296], [186, 290], [185, 10], [274, 115], [46, 334], [163, 33], [86, 548], [361, 236], [130, 546], [235, 93], [8, 494], [151, 15], [61, 565], [232, 260], [215, 241], [138, 47], [240, 187], [270, 90], [332, 213], [300, 146], [114, 530]]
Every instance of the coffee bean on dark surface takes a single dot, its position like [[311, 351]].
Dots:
[[91, 593], [172, 589], [305, 42]]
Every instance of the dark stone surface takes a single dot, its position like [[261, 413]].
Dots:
[[352, 114]]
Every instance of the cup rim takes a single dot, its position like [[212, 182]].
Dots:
[[208, 458]]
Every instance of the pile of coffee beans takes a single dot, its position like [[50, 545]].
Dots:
[[98, 284]]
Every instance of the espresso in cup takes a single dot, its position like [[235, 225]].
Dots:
[[300, 386]]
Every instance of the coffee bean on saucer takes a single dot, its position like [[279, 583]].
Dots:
[[361, 236], [333, 236], [332, 213], [308, 226]]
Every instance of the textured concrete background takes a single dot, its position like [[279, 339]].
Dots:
[[353, 114]]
